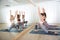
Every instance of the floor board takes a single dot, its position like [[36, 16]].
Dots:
[[29, 36]]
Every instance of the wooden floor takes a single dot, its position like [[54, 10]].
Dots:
[[28, 36], [38, 37], [6, 35], [25, 35]]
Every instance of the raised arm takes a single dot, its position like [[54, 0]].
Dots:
[[15, 14], [39, 11], [19, 13], [43, 10], [10, 12], [24, 13]]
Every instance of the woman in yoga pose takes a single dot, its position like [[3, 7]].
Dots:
[[23, 19], [19, 23], [43, 24], [12, 20]]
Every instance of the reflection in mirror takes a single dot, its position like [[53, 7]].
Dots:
[[14, 20]]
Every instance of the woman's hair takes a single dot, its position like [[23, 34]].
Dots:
[[43, 14], [18, 16]]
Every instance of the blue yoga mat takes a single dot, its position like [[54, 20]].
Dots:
[[6, 30], [53, 28], [41, 32], [14, 30]]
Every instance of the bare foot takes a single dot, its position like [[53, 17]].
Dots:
[[56, 33], [36, 30]]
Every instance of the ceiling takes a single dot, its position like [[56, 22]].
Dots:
[[18, 2]]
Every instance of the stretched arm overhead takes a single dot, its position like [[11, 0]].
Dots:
[[39, 10], [19, 13], [15, 14], [24, 13], [10, 12], [43, 10], [10, 15]]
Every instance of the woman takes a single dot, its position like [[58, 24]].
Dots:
[[23, 19], [43, 23], [19, 23], [12, 20]]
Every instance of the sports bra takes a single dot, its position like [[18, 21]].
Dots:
[[18, 20]]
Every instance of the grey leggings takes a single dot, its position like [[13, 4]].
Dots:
[[44, 26], [45, 29], [49, 26], [12, 26]]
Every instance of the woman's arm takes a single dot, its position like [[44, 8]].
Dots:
[[19, 12], [15, 14], [10, 16], [43, 10], [10, 12], [24, 13], [39, 11]]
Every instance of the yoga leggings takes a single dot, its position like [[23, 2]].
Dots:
[[43, 27], [12, 26], [48, 26]]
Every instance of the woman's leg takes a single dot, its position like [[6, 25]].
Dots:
[[44, 28], [17, 26], [48, 26], [12, 26]]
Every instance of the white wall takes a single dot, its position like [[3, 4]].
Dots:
[[5, 13], [52, 10], [58, 12]]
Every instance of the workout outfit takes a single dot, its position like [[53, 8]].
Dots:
[[12, 25], [19, 23], [44, 26]]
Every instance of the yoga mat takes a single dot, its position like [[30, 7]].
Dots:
[[6, 30], [53, 28], [13, 29], [41, 32]]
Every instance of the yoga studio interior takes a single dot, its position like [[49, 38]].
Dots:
[[29, 19]]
